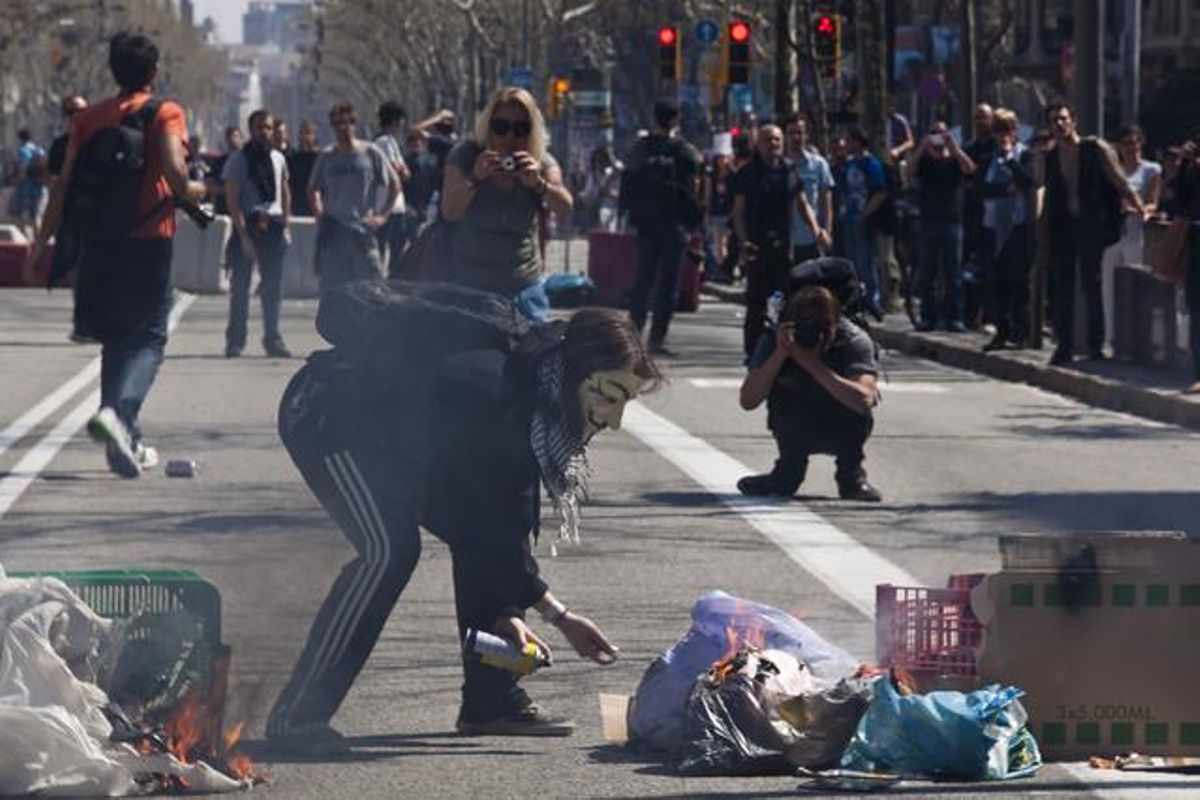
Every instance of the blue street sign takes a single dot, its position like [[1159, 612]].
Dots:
[[519, 76], [707, 31], [742, 96]]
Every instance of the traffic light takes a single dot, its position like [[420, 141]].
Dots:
[[827, 37], [739, 51], [560, 87], [668, 53]]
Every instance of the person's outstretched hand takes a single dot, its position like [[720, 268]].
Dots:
[[587, 638]]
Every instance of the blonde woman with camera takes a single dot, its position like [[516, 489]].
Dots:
[[498, 186]]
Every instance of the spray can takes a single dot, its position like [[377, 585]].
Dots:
[[774, 308], [503, 654]]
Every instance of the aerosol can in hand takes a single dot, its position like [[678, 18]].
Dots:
[[503, 654], [774, 309]]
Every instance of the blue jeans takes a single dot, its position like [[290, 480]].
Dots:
[[123, 300], [861, 246], [269, 247], [941, 256]]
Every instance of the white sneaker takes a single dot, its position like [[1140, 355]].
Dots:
[[106, 427], [147, 456]]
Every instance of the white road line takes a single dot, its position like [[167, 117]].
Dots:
[[908, 387], [849, 569], [14, 484], [48, 405]]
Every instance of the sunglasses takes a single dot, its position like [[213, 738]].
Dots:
[[502, 127]]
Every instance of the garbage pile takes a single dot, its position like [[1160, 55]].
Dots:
[[61, 734], [750, 690]]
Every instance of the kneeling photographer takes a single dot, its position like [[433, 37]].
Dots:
[[817, 371]]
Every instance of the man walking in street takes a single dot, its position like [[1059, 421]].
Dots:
[[1084, 190], [940, 168], [392, 239], [343, 194], [811, 171], [763, 195], [660, 189], [259, 201], [125, 220]]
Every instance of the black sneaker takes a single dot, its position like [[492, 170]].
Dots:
[[956, 327], [316, 739], [997, 342], [232, 351], [861, 491], [658, 348], [767, 485], [277, 350], [528, 721], [1061, 358], [925, 326]]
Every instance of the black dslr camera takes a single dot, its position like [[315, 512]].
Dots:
[[196, 212], [807, 333]]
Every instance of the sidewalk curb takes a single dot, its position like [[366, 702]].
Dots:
[[1156, 404]]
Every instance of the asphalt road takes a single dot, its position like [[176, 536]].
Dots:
[[960, 459]]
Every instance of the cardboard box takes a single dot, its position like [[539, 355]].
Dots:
[[1102, 632]]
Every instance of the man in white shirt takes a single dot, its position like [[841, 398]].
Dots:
[[259, 202]]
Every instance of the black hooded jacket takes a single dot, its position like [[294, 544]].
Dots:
[[444, 380]]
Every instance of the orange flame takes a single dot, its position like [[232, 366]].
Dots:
[[188, 739]]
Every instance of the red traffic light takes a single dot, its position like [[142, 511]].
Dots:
[[667, 36], [826, 25], [739, 32]]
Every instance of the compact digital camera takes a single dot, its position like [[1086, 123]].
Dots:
[[508, 164]]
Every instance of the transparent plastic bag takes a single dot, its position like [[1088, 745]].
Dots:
[[722, 624]]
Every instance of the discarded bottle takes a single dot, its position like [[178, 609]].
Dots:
[[181, 468], [503, 654], [774, 308]]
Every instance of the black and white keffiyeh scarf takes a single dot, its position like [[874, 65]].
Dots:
[[559, 448]]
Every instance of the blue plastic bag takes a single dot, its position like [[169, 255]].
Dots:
[[973, 736]]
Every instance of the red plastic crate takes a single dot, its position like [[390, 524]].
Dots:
[[932, 633]]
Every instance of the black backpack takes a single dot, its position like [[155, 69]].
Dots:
[[659, 194], [106, 181]]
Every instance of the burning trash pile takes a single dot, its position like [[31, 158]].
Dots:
[[750, 690], [96, 706]]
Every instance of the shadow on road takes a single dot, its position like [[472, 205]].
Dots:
[[380, 747]]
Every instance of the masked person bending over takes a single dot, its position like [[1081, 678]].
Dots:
[[429, 422], [817, 373]]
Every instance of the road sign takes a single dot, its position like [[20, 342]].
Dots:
[[519, 76], [707, 31], [742, 96]]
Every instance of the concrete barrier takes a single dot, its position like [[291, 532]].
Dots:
[[199, 259]]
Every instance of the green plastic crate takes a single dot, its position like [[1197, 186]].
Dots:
[[122, 594]]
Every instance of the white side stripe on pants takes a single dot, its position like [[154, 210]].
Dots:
[[353, 602]]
